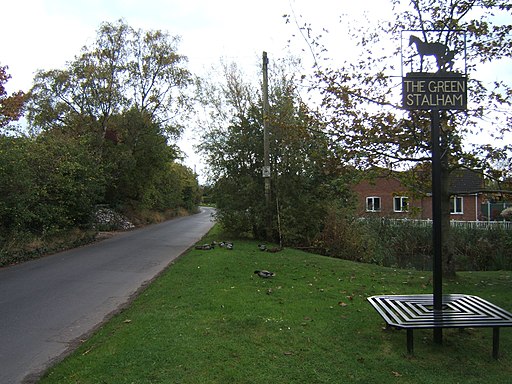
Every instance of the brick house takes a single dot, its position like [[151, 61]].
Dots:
[[385, 196]]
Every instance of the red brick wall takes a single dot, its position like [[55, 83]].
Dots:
[[471, 212], [471, 208], [387, 189]]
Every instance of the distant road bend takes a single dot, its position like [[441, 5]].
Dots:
[[46, 305]]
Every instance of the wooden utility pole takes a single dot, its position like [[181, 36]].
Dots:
[[266, 157]]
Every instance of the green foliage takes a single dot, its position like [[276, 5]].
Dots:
[[121, 98], [17, 185], [136, 155], [48, 183], [305, 175], [48, 187], [52, 183], [240, 205], [69, 182], [404, 245], [174, 187]]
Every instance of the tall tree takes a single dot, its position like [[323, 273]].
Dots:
[[135, 156], [232, 144], [360, 104], [123, 68], [157, 77], [125, 98], [303, 183]]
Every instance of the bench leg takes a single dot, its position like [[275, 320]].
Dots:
[[410, 342], [495, 342], [438, 336]]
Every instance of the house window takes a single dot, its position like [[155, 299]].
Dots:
[[400, 204], [373, 204], [456, 205]]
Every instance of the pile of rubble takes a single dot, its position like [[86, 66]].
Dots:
[[106, 219]]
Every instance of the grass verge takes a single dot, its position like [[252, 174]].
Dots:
[[210, 319]]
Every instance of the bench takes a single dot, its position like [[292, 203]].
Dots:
[[411, 312]]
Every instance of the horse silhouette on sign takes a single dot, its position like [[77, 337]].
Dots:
[[444, 57]]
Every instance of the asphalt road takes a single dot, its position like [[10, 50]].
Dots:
[[48, 305]]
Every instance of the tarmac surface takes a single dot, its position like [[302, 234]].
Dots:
[[48, 305]]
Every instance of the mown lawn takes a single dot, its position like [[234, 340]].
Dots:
[[210, 319]]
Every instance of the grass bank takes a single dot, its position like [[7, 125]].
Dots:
[[210, 319]]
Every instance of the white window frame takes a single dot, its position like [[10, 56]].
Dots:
[[453, 205], [370, 204], [403, 202]]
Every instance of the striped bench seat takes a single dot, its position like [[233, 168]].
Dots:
[[411, 312]]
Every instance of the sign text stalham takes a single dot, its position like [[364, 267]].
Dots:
[[426, 91]]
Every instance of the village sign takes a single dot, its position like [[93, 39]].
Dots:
[[435, 82], [440, 87]]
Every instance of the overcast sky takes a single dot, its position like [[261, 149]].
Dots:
[[45, 34]]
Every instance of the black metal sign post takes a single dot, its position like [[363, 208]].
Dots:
[[437, 219], [434, 87]]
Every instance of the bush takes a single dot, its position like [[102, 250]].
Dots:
[[408, 245], [483, 249], [343, 238]]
